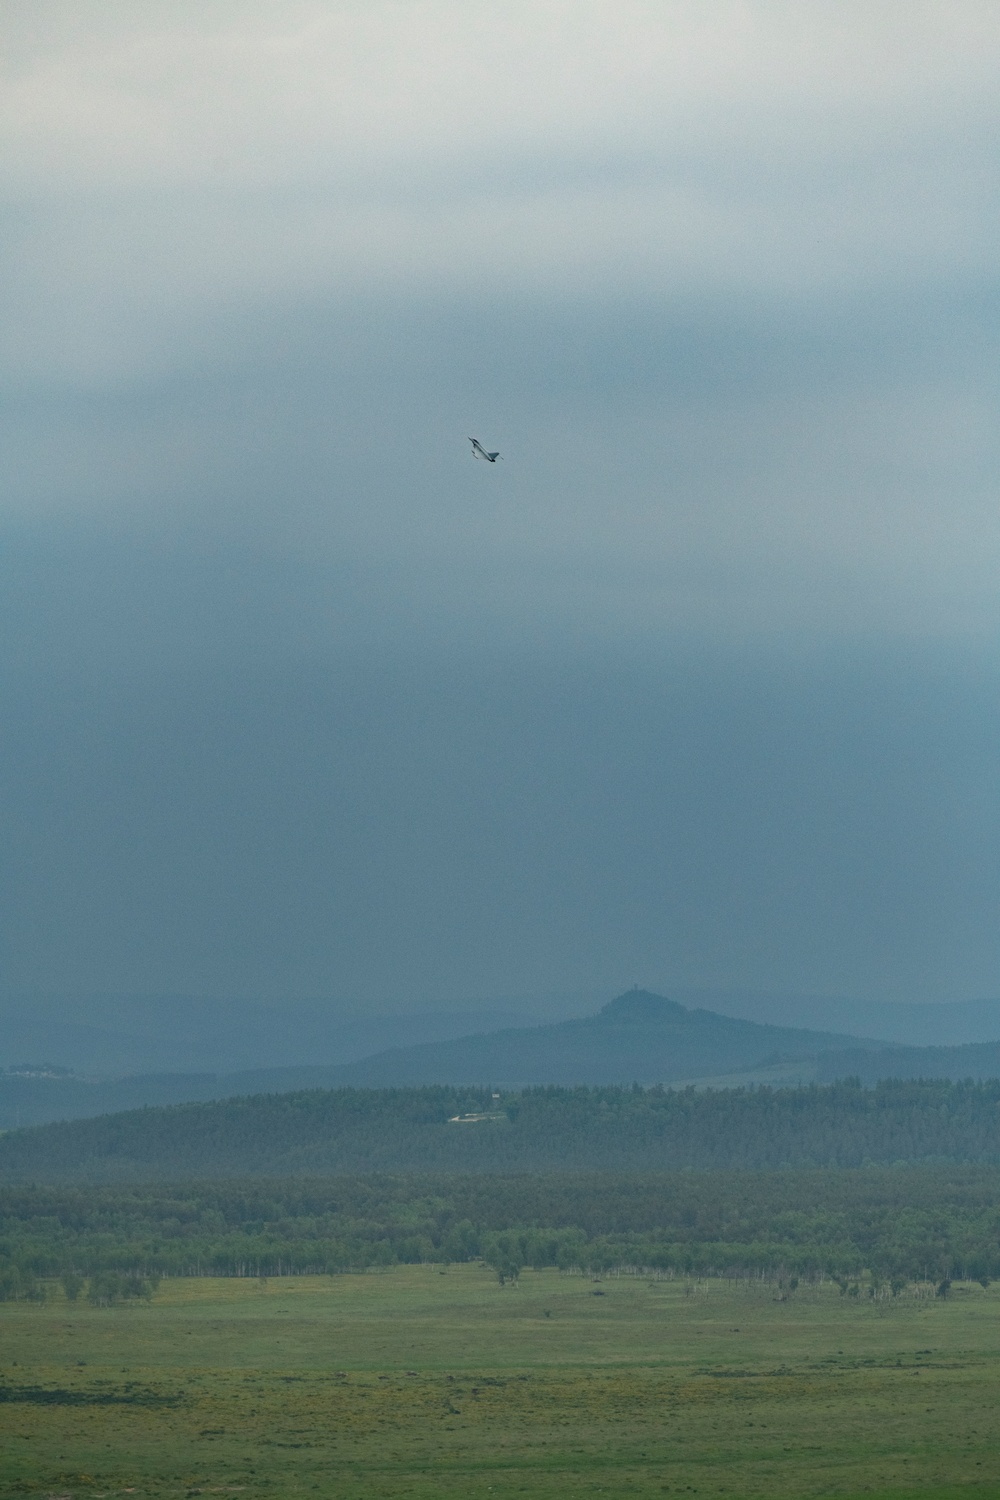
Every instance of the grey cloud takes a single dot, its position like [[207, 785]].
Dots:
[[723, 469], [695, 688]]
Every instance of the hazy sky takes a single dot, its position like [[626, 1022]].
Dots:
[[699, 686]]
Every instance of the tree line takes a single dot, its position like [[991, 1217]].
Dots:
[[891, 1225]]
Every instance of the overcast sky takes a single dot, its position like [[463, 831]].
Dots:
[[700, 685]]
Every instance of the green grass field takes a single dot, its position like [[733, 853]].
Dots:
[[423, 1383]]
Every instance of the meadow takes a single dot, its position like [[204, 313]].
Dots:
[[426, 1381]]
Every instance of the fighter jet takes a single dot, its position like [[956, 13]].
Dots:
[[478, 451]]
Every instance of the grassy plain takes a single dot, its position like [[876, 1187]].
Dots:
[[423, 1383]]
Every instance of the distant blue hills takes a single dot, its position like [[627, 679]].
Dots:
[[638, 1038]]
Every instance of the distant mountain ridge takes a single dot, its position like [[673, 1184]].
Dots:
[[953, 1023], [639, 1037], [112, 1036]]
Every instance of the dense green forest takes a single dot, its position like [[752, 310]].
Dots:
[[898, 1224], [876, 1187], [546, 1129]]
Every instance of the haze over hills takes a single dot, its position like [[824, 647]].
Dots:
[[976, 1060], [939, 1024], [111, 1036], [114, 1035], [637, 1038]]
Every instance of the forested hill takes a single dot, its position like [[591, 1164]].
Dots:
[[348, 1130], [974, 1060], [639, 1037]]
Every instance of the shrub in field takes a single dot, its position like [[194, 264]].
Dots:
[[107, 1288]]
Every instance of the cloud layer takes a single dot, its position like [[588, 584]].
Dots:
[[720, 280]]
